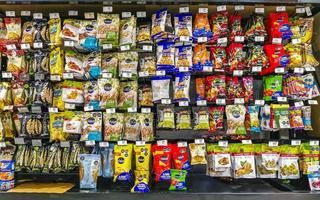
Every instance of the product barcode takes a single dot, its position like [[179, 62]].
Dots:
[[25, 13], [69, 106], [259, 39], [67, 75], [54, 15], [147, 48], [36, 143], [207, 69], [125, 48], [183, 69], [279, 70], [160, 73], [126, 74], [276, 40], [6, 75], [37, 45], [10, 107], [256, 69], [11, 47], [300, 10], [68, 43], [308, 11], [296, 41], [282, 99], [298, 104], [73, 13], [312, 102], [310, 69], [237, 72], [143, 74], [298, 70], [132, 110], [106, 75], [239, 7], [2, 144], [202, 39], [37, 15], [184, 38], [107, 46], [239, 39], [239, 100], [183, 103], [18, 140], [110, 110], [39, 76], [23, 109], [165, 101], [222, 40], [65, 144], [259, 10], [36, 109]]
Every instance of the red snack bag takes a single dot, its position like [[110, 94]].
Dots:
[[276, 56], [219, 58], [234, 88], [162, 162], [180, 157], [236, 58], [278, 26], [216, 118], [219, 26], [216, 87], [248, 88], [235, 27]]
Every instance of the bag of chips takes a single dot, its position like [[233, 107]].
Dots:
[[272, 87], [182, 86], [165, 114], [113, 126], [123, 163], [288, 162], [235, 27], [72, 122], [128, 65], [56, 62], [162, 162], [142, 157], [201, 118], [72, 92], [147, 64], [235, 119], [178, 180], [198, 154], [128, 96], [295, 118], [57, 96], [13, 27], [92, 126], [131, 127], [216, 118], [56, 127], [219, 26], [306, 117], [74, 63], [160, 88], [243, 161], [183, 118], [108, 29], [216, 87], [88, 34], [54, 32], [145, 95], [201, 26], [70, 30], [146, 126], [88, 170], [180, 157], [183, 26], [201, 58], [128, 28], [165, 56], [183, 58], [158, 23], [141, 183], [200, 88], [108, 92], [219, 58], [27, 32], [91, 95], [92, 65], [110, 64]]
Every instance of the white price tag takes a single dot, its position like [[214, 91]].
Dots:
[[273, 143], [106, 75], [90, 143], [126, 14], [110, 110], [36, 109], [89, 15], [280, 8], [55, 77], [256, 69], [107, 46], [162, 142], [165, 101], [207, 69], [183, 69], [53, 110], [25, 13], [107, 9], [126, 74], [308, 11], [10, 13], [279, 70], [221, 101], [142, 14], [54, 15], [37, 15], [300, 10], [221, 8], [36, 143], [143, 74], [201, 103], [160, 73], [183, 103], [25, 46], [69, 106], [314, 143], [237, 72], [310, 69], [132, 110], [147, 48], [8, 107], [312, 102], [67, 75], [145, 110], [18, 140], [38, 45], [282, 99], [313, 168], [295, 142], [69, 43], [239, 39], [73, 13], [298, 70], [103, 144], [298, 104], [223, 143], [203, 10], [88, 108], [6, 75], [122, 142], [296, 41], [239, 7], [202, 39], [259, 10], [184, 9], [65, 144], [276, 40], [182, 144], [259, 102], [259, 39], [39, 76], [222, 40], [239, 100], [184, 38], [125, 48], [2, 144], [246, 141], [11, 47], [23, 109], [199, 141], [140, 143]]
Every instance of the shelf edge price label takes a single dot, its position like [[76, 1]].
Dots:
[[202, 39], [25, 13], [103, 144], [300, 10], [259, 39], [165, 101], [39, 76], [67, 75], [53, 110], [246, 141], [223, 143], [55, 78], [199, 141], [141, 14], [221, 8], [37, 45], [239, 100], [25, 46], [68, 43], [107, 9], [125, 48], [207, 68], [295, 142], [2, 144], [298, 104], [36, 109], [313, 168], [65, 144], [11, 47], [106, 75], [259, 102], [296, 41], [184, 38], [259, 10], [256, 69], [184, 9], [9, 107], [73, 13], [70, 106], [222, 40], [280, 8], [282, 99], [276, 40], [221, 101], [147, 48], [201, 103], [110, 110], [143, 74], [140, 143], [312, 102], [126, 14], [23, 109], [310, 69], [162, 142], [88, 108], [90, 143], [6, 75], [107, 46], [298, 70], [237, 72], [238, 7], [19, 140], [89, 15], [182, 144], [132, 110], [54, 15], [308, 11], [203, 10], [37, 15], [36, 143], [122, 142], [145, 110], [126, 74], [314, 142], [279, 70], [183, 103], [239, 39], [183, 69], [273, 143]]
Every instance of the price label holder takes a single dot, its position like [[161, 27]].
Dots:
[[308, 11], [298, 70], [25, 46], [141, 14], [68, 43], [223, 143], [147, 48], [237, 72], [246, 141], [184, 9], [203, 10], [259, 102], [88, 108], [65, 144], [182, 144], [256, 69], [239, 100], [107, 46], [126, 14], [89, 15], [273, 143], [37, 15], [221, 101], [140, 143], [183, 69], [312, 102], [279, 70], [199, 141], [132, 110], [143, 74], [125, 48], [2, 145], [259, 39], [201, 103], [90, 143], [10, 107], [222, 40], [23, 109], [11, 47], [281, 9], [106, 75], [162, 142], [296, 41], [126, 74], [36, 109], [38, 45], [239, 39], [300, 10], [39, 76], [6, 75], [25, 13], [53, 110], [19, 140], [54, 15], [69, 106], [36, 143], [238, 7], [207, 68], [107, 9], [183, 103], [298, 104], [259, 10], [165, 101], [122, 143], [295, 142], [73, 13], [221, 8], [313, 168], [282, 99], [314, 142], [145, 110], [110, 110], [310, 69], [67, 75], [55, 78], [103, 144], [202, 39], [276, 40]]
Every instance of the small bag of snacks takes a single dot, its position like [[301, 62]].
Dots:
[[27, 32], [160, 88], [219, 26], [272, 87], [183, 118], [131, 127], [254, 119], [146, 126], [107, 154], [247, 82], [165, 114], [162, 162], [183, 58], [56, 127], [235, 27], [108, 29], [180, 156], [92, 126], [143, 32], [88, 34], [108, 92], [56, 62], [123, 163], [165, 56], [308, 58], [148, 65], [216, 118], [55, 32], [295, 118], [266, 160], [280, 114], [128, 28], [309, 157], [57, 96], [89, 170], [128, 65], [178, 180], [234, 87], [158, 23], [141, 183], [198, 154], [306, 117], [256, 58], [74, 63], [113, 126], [72, 122], [219, 161], [235, 119], [216, 87], [16, 63], [13, 28], [277, 57], [219, 58], [314, 181], [183, 26], [72, 92], [128, 95], [145, 95], [92, 65], [255, 27], [200, 89], [236, 57], [91, 94], [142, 157], [109, 63], [40, 62], [200, 118], [288, 162], [243, 161], [70, 30], [201, 26], [201, 57], [181, 87]]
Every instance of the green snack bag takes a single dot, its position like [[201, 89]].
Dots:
[[178, 180], [272, 87]]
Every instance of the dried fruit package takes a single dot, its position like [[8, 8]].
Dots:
[[216, 118], [128, 95], [131, 127], [70, 30], [146, 126], [266, 160], [56, 127], [13, 27], [108, 92], [272, 87], [216, 87], [55, 32], [128, 65], [88, 34], [182, 87], [183, 58], [306, 117], [162, 162], [88, 170], [180, 157], [92, 126], [72, 122], [123, 162], [91, 95], [145, 95], [243, 161], [288, 162], [110, 64], [108, 29], [219, 58], [183, 118], [72, 92], [219, 26], [200, 118], [295, 118], [178, 180], [165, 56], [74, 63], [219, 161], [235, 27], [183, 26], [236, 57], [92, 65], [128, 31], [201, 26], [165, 114], [200, 89], [201, 58], [160, 88], [198, 154], [235, 119], [113, 126]]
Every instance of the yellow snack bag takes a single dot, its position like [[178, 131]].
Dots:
[[141, 182], [56, 127], [57, 96], [56, 61], [123, 163], [142, 154], [54, 32]]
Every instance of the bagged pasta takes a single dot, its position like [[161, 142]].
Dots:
[[110, 64], [55, 31], [57, 96], [88, 34], [141, 183], [145, 95], [200, 118], [243, 161], [161, 162], [70, 30], [128, 28], [235, 119], [165, 114], [201, 58], [74, 63], [180, 157], [108, 29], [56, 62], [92, 65], [288, 162], [198, 154], [142, 157], [183, 26], [89, 169], [201, 27], [183, 58], [178, 180], [72, 122], [147, 64], [128, 65], [128, 96], [72, 92], [183, 118], [146, 126], [92, 126], [113, 126], [165, 56], [254, 118], [123, 163], [56, 121], [108, 92], [91, 94], [216, 118], [131, 127], [160, 88], [181, 87], [107, 159]]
